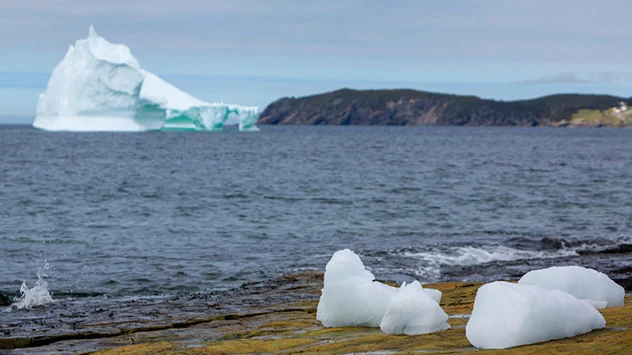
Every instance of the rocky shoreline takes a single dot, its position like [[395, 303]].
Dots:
[[417, 108], [272, 316]]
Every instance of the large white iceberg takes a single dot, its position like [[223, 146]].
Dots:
[[100, 86], [583, 283], [412, 311], [507, 315], [352, 297]]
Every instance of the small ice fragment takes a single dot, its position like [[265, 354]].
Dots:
[[413, 311]]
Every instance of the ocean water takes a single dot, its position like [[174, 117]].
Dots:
[[127, 214]]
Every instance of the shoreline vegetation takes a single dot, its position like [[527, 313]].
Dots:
[[404, 107], [277, 316]]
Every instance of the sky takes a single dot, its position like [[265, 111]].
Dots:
[[253, 52]]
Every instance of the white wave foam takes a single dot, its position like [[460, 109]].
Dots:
[[38, 295], [624, 239], [466, 256], [434, 259]]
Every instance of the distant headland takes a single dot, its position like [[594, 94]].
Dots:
[[417, 108]]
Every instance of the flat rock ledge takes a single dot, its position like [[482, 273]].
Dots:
[[279, 316]]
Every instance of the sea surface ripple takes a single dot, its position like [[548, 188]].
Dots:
[[160, 213]]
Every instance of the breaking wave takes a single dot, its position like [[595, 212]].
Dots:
[[431, 262], [38, 295], [435, 258]]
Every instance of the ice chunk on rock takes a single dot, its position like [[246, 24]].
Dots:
[[580, 282], [412, 311], [100, 86], [507, 315], [350, 297]]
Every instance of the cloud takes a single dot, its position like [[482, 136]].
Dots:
[[561, 78], [607, 77], [422, 29], [150, 8], [493, 40]]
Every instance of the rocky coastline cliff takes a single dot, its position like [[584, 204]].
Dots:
[[416, 108]]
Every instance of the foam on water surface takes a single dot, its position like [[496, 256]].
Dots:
[[434, 258]]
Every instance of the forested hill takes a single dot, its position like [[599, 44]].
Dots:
[[410, 107]]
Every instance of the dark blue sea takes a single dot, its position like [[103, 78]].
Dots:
[[113, 215]]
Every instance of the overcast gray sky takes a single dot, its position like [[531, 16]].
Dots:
[[252, 52]]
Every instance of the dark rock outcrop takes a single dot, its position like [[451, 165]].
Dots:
[[5, 300], [415, 108]]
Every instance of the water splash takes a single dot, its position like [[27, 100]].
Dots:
[[38, 295]]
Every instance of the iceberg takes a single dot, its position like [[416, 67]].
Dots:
[[583, 283], [507, 315], [100, 86]]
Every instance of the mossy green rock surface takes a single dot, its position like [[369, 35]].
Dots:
[[293, 329]]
